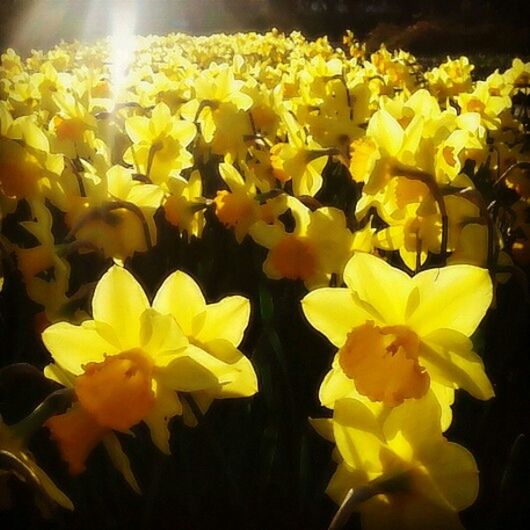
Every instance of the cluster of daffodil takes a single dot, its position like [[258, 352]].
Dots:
[[348, 168]]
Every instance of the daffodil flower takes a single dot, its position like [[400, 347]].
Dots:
[[184, 206], [129, 362], [239, 208], [159, 144], [413, 477], [396, 334], [319, 245], [301, 159]]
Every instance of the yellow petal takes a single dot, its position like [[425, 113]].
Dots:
[[137, 128], [181, 297], [183, 131], [448, 357], [120, 460], [74, 346], [417, 421], [454, 471], [454, 297], [244, 382], [414, 512], [56, 373], [35, 137], [311, 180], [194, 370], [336, 385], [160, 119], [266, 235], [333, 312], [391, 238], [380, 285], [344, 479], [223, 350], [161, 334], [231, 176], [226, 319], [119, 301], [386, 131], [446, 397], [167, 405], [357, 434]]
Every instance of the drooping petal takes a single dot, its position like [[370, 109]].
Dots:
[[119, 301], [333, 312], [226, 319], [380, 285], [454, 297], [167, 405], [74, 346], [181, 297], [448, 357], [120, 460], [244, 383]]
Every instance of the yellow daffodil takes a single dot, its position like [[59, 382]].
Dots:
[[159, 144], [301, 160], [318, 247], [239, 208], [129, 362], [116, 212], [412, 477], [450, 78], [184, 205], [396, 333]]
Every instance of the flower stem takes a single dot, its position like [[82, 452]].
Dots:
[[355, 497], [56, 403]]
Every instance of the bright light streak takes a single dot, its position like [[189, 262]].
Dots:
[[123, 17]]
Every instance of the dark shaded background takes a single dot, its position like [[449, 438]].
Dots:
[[422, 26]]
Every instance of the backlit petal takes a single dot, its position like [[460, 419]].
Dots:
[[382, 286], [74, 346], [226, 319], [333, 312], [448, 357], [119, 301], [181, 297], [357, 434], [454, 297]]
